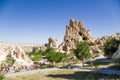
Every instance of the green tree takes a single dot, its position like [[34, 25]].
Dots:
[[40, 52], [34, 50], [82, 52], [54, 57], [49, 50], [110, 47], [59, 57], [37, 57], [10, 60]]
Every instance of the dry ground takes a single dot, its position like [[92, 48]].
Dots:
[[66, 75]]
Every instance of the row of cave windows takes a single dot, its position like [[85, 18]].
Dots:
[[72, 39]]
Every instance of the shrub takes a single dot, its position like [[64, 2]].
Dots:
[[2, 76], [95, 64], [110, 47], [43, 66]]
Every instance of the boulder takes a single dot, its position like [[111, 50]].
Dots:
[[53, 43]]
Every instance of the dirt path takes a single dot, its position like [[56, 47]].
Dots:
[[45, 71]]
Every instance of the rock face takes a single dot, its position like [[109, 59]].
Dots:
[[117, 53], [29, 48], [16, 52], [75, 32], [53, 43], [101, 41]]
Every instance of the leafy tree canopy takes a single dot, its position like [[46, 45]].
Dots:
[[82, 51], [110, 47]]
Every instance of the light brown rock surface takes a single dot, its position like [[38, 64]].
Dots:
[[75, 33], [16, 52], [53, 43]]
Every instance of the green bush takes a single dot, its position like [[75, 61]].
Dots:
[[2, 76], [43, 66], [95, 64], [110, 47]]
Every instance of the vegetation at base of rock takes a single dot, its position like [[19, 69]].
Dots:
[[9, 61], [54, 57], [51, 55], [35, 55], [110, 47], [2, 76], [95, 64], [82, 51], [36, 58], [43, 66]]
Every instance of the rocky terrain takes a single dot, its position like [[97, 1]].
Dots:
[[75, 33], [29, 48], [16, 52]]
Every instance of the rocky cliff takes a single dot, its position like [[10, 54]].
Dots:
[[101, 40], [75, 32], [54, 43]]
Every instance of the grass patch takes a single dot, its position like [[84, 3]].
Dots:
[[2, 76], [43, 66]]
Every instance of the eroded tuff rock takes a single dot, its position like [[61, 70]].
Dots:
[[102, 40], [75, 33], [53, 43], [29, 48], [16, 52]]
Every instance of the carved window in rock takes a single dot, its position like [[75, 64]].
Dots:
[[67, 41], [85, 38], [14, 53], [80, 34], [22, 56], [72, 39], [64, 48]]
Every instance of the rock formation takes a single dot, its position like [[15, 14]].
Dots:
[[17, 53], [29, 48], [102, 40], [53, 43], [75, 32]]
